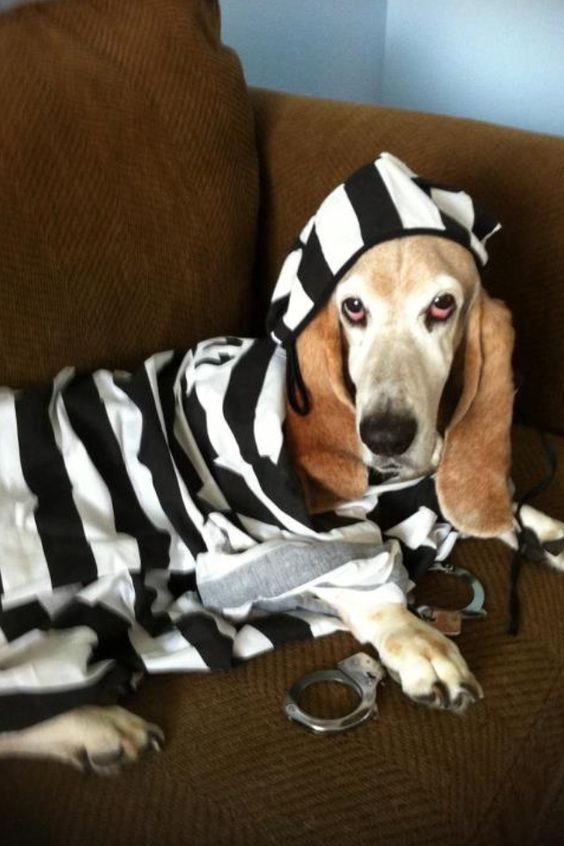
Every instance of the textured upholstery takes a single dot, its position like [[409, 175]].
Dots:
[[128, 183], [234, 770]]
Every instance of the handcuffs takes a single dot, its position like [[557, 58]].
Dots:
[[363, 673]]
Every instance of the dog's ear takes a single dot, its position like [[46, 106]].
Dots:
[[324, 444], [473, 475]]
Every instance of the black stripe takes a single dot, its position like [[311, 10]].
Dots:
[[201, 631], [166, 382], [456, 229], [89, 419], [239, 497], [313, 271], [155, 455], [278, 481], [68, 553], [394, 507], [282, 628], [374, 208], [16, 621], [111, 628], [20, 710], [153, 623], [223, 340], [180, 583], [417, 561], [484, 223]]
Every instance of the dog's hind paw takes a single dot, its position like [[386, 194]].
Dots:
[[110, 739]]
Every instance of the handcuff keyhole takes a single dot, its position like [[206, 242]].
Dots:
[[328, 700]]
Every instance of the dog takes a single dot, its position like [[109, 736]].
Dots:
[[407, 335]]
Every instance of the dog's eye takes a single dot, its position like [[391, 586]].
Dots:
[[354, 311], [441, 308]]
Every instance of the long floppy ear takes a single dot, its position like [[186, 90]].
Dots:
[[324, 444], [473, 475]]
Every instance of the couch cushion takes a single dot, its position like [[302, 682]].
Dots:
[[128, 183], [235, 771]]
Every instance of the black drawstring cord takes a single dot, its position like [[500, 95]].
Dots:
[[529, 546], [298, 396]]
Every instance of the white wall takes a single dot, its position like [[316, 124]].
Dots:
[[328, 48], [500, 60]]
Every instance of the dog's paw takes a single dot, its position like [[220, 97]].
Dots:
[[428, 666], [106, 739]]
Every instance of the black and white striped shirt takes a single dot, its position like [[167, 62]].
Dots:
[[152, 521]]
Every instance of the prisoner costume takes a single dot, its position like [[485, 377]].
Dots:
[[152, 521]]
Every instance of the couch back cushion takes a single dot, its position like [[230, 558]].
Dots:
[[128, 183]]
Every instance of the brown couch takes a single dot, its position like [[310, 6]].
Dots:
[[146, 200]]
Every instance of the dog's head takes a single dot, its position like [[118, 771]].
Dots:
[[401, 323]]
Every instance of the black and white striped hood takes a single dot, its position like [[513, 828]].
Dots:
[[381, 201]]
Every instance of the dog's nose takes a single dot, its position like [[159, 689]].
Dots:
[[388, 434]]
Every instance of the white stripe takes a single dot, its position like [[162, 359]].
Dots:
[[210, 491], [126, 421], [299, 305], [457, 204], [211, 384], [287, 275], [50, 661], [415, 208], [320, 624], [152, 367], [23, 565], [112, 550], [338, 229], [249, 642], [270, 409], [168, 653], [416, 530]]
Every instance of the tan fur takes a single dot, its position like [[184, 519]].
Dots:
[[324, 445], [472, 479], [472, 475]]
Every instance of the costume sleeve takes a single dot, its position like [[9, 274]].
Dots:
[[301, 572]]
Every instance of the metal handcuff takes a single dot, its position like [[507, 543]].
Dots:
[[363, 673]]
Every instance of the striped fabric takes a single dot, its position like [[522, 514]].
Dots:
[[152, 521], [381, 201]]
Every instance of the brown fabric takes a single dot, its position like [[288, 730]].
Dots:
[[128, 183], [306, 146], [235, 771]]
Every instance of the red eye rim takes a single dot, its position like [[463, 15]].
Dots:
[[354, 310], [441, 308]]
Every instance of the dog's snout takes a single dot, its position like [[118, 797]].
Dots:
[[388, 434]]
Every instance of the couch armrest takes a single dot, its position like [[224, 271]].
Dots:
[[306, 146]]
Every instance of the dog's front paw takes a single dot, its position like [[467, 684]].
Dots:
[[428, 665], [107, 739]]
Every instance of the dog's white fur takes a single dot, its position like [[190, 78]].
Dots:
[[410, 376]]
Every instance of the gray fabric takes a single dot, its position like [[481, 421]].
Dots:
[[280, 566]]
